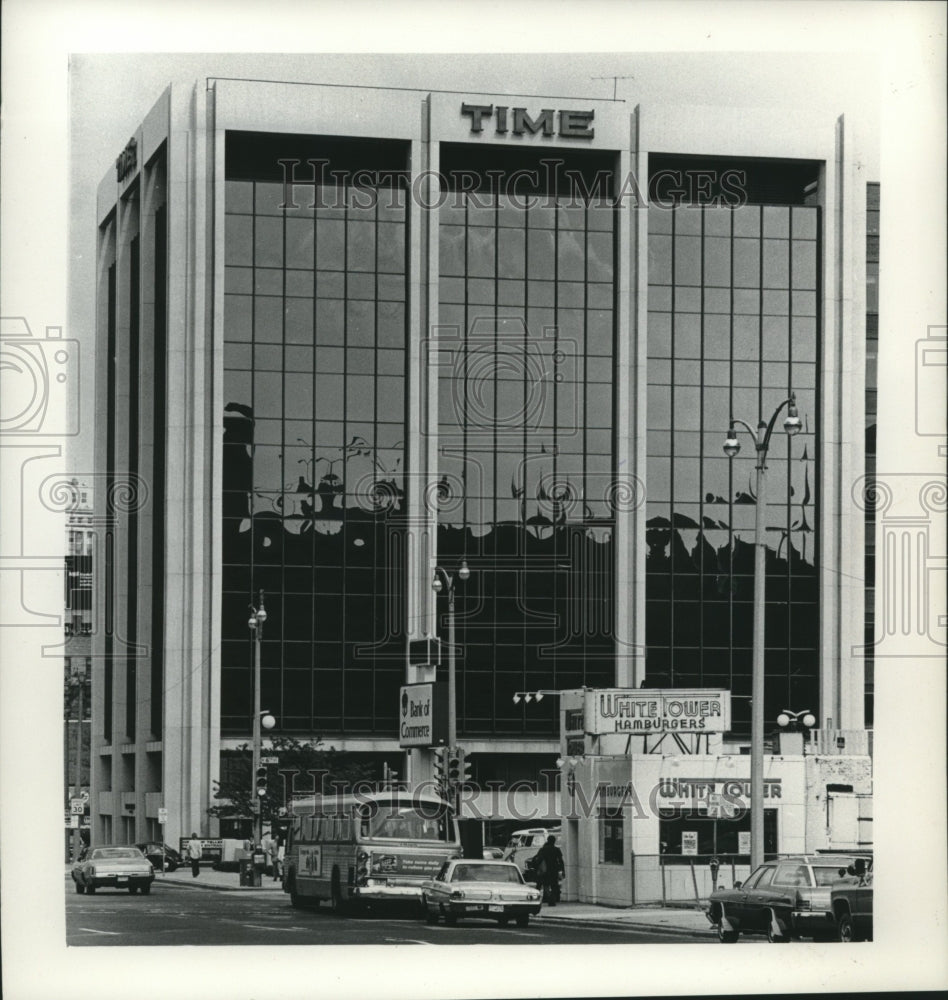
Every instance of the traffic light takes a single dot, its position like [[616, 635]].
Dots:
[[465, 768], [454, 766], [440, 768], [261, 782]]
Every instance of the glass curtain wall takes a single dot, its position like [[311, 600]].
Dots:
[[526, 354], [314, 431], [733, 328]]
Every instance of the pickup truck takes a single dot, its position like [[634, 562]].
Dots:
[[851, 902]]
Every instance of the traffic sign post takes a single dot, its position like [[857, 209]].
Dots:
[[77, 807]]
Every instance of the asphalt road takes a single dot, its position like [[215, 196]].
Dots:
[[173, 915]]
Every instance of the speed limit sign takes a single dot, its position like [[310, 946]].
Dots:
[[77, 807], [162, 816]]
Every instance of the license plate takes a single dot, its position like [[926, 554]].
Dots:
[[122, 878], [495, 909]]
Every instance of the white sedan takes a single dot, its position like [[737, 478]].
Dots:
[[493, 890]]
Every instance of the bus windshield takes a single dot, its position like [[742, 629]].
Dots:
[[394, 820]]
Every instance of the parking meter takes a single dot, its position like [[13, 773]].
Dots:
[[714, 865]]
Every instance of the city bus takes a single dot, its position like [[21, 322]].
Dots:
[[366, 847]]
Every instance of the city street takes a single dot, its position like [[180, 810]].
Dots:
[[174, 914]]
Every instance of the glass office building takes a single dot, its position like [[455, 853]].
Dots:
[[351, 334]]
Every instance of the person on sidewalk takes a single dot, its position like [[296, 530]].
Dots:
[[281, 854], [550, 869], [274, 852], [266, 846], [194, 852]]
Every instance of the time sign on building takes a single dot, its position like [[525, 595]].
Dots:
[[640, 710], [569, 124]]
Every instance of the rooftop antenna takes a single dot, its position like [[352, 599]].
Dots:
[[615, 82]]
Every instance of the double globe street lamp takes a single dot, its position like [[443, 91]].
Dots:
[[761, 439], [443, 582], [261, 717]]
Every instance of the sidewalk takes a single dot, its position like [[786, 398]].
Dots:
[[670, 920], [222, 881]]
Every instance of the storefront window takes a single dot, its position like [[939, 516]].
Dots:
[[679, 829], [611, 830]]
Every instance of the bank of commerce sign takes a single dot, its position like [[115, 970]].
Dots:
[[422, 717], [660, 710]]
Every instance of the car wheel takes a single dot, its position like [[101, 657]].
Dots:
[[846, 931], [80, 889], [772, 935], [727, 937], [90, 889], [132, 890], [523, 919], [431, 914], [450, 919], [146, 890]]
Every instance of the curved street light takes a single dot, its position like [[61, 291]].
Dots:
[[443, 582], [761, 439], [258, 615]]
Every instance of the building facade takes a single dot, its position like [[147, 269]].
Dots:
[[350, 334]]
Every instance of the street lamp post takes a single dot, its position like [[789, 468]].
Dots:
[[444, 581], [78, 679], [258, 616], [761, 439]]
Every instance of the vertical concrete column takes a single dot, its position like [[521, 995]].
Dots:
[[422, 434], [627, 491], [842, 434]]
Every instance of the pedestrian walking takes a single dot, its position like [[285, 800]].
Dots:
[[274, 852], [268, 846], [194, 851], [550, 869], [281, 855]]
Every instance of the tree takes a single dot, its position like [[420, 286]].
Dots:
[[333, 769]]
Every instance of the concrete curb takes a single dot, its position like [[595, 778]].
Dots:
[[636, 925], [198, 884]]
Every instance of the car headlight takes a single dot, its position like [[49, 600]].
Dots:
[[457, 894]]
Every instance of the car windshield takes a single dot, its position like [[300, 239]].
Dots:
[[393, 821], [827, 876], [486, 873], [110, 853]]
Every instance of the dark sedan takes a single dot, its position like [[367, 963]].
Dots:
[[169, 860], [113, 868], [783, 899]]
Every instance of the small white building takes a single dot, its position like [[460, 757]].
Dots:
[[646, 811]]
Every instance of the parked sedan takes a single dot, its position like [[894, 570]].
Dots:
[[783, 899], [153, 851], [113, 867], [494, 890]]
